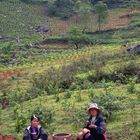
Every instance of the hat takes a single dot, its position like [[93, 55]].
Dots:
[[93, 105]]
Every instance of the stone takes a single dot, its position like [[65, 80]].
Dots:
[[43, 29], [26, 55], [135, 49], [14, 55]]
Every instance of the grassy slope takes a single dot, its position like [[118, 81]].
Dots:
[[19, 19], [16, 27], [55, 59], [115, 125]]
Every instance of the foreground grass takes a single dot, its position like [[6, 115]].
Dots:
[[65, 108], [114, 125]]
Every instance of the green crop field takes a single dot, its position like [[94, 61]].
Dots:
[[57, 74]]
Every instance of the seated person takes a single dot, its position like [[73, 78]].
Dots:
[[94, 128], [35, 131]]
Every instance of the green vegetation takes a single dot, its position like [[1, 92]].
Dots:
[[61, 8], [101, 11], [79, 60]]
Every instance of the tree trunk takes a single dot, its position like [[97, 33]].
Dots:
[[99, 23]]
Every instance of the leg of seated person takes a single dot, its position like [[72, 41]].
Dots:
[[87, 135], [82, 133], [85, 130]]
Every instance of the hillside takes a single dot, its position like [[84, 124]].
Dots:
[[59, 72]]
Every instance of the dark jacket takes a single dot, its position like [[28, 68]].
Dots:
[[41, 134], [97, 133]]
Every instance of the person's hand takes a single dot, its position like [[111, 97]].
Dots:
[[87, 122], [92, 126]]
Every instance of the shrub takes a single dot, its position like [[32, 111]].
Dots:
[[131, 85], [51, 9], [67, 76], [107, 101], [46, 115], [78, 118], [48, 81], [68, 107], [78, 97], [76, 37], [61, 8], [20, 120], [4, 101], [7, 49], [0, 116], [67, 95]]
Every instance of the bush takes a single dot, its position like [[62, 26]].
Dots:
[[68, 107], [61, 8], [0, 116], [51, 9], [108, 102], [67, 95], [67, 76], [20, 120], [46, 115], [78, 97], [65, 14], [78, 118], [7, 49], [76, 37], [131, 85], [48, 81]]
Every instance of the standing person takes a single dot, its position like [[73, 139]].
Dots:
[[35, 131], [94, 129]]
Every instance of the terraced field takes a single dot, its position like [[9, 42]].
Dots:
[[59, 81]]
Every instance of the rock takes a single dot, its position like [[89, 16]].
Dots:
[[19, 10], [18, 39], [14, 55], [14, 63], [127, 16], [0, 36], [42, 29], [26, 55], [135, 49], [11, 63], [22, 48], [2, 60]]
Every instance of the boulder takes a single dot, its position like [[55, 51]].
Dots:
[[14, 55], [26, 55], [43, 29], [134, 49]]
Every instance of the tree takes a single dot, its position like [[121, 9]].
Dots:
[[101, 10], [83, 9], [26, 1], [60, 8], [76, 36]]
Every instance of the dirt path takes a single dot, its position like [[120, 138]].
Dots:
[[7, 137], [4, 75]]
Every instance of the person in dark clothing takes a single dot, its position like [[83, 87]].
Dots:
[[35, 131], [94, 129]]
